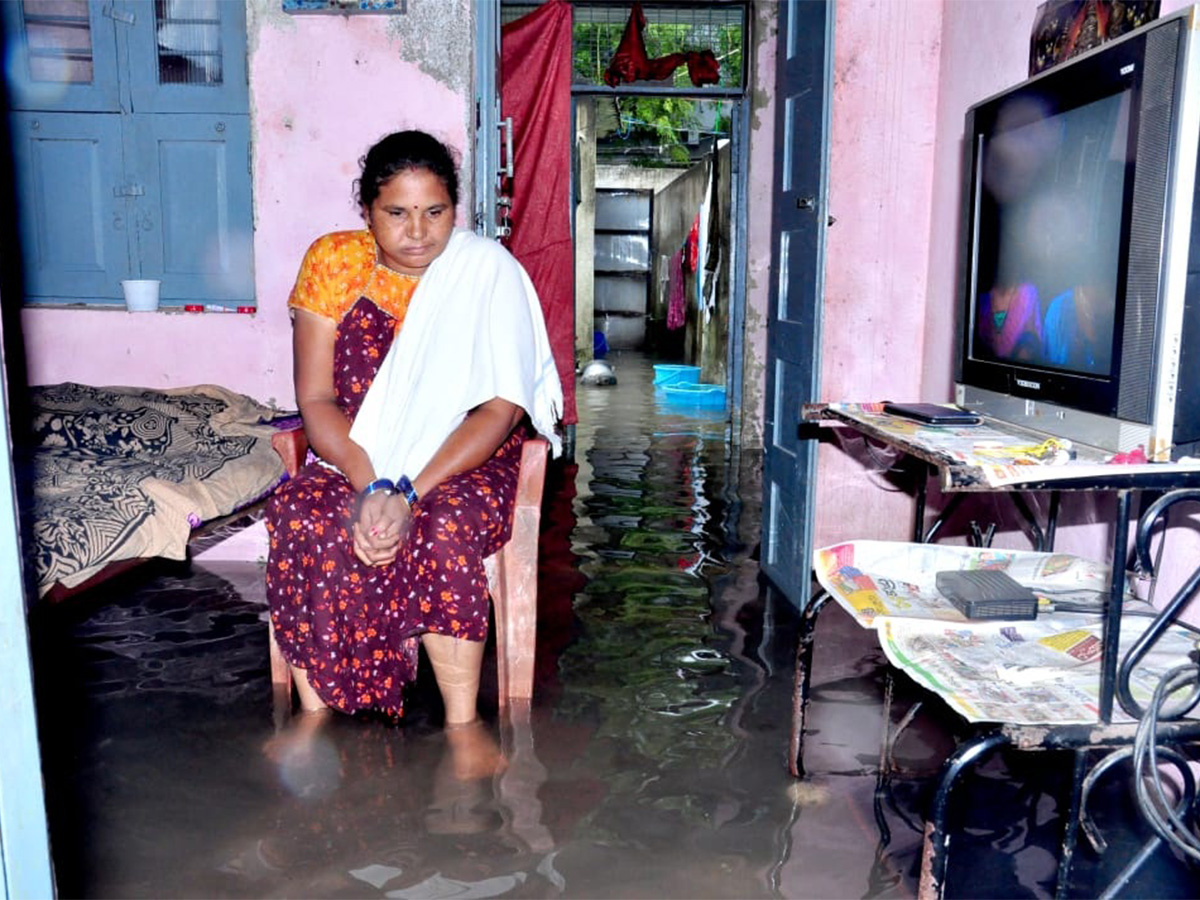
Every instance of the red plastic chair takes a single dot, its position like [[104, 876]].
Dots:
[[511, 573]]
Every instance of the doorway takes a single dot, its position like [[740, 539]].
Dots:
[[659, 210], [658, 162]]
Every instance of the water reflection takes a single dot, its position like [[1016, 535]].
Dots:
[[651, 763]]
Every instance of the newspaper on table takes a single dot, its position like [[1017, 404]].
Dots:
[[996, 455], [1044, 671], [894, 578]]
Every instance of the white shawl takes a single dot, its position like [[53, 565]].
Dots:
[[473, 331]]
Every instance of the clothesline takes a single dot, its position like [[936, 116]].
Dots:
[[629, 120]]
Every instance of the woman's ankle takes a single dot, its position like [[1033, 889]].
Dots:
[[310, 700], [456, 664]]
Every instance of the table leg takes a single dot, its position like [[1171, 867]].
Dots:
[[951, 505], [804, 651], [936, 852], [1071, 822], [1112, 615], [1052, 521], [1037, 537], [922, 477]]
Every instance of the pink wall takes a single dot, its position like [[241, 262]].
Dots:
[[323, 88], [885, 103], [986, 50]]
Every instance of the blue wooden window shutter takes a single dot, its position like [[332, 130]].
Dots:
[[131, 139]]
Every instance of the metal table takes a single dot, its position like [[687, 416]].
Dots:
[[945, 452]]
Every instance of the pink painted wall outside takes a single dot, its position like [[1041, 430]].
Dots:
[[323, 88], [884, 112]]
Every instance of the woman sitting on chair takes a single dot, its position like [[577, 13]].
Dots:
[[421, 366]]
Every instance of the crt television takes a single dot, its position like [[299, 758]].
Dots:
[[1079, 289]]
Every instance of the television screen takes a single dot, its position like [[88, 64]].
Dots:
[[1048, 232]]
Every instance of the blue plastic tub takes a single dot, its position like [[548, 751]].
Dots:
[[676, 374], [695, 394]]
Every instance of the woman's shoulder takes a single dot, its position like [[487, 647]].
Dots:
[[335, 269], [349, 245], [480, 249]]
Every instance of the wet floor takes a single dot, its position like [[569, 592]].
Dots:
[[652, 762]]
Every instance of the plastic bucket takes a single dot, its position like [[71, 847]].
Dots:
[[141, 294], [695, 394], [675, 374]]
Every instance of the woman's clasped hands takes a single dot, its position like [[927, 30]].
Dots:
[[383, 520]]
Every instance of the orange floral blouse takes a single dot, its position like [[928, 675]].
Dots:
[[343, 266]]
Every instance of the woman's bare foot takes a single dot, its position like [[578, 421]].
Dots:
[[474, 753], [307, 759], [462, 796], [299, 734]]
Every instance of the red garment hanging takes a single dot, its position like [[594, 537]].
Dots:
[[535, 89], [630, 63]]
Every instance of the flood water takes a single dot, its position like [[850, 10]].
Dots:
[[652, 762]]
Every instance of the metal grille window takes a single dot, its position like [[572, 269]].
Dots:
[[189, 42], [670, 28]]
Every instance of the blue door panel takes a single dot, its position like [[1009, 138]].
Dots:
[[194, 223], [799, 215], [73, 218], [40, 50]]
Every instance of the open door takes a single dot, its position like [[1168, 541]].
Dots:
[[797, 285], [25, 869]]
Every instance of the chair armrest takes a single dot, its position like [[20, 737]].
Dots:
[[292, 447]]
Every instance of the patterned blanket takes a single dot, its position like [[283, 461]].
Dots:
[[125, 472]]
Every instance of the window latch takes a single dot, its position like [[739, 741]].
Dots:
[[129, 18], [129, 190]]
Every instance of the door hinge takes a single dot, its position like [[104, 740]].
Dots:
[[129, 18]]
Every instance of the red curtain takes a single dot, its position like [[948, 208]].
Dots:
[[535, 90]]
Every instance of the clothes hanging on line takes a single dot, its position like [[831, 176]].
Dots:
[[632, 63], [676, 305]]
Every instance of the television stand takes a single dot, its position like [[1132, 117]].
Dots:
[[970, 459]]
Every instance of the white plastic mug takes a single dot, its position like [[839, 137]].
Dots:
[[141, 294]]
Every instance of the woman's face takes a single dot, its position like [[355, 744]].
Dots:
[[412, 219]]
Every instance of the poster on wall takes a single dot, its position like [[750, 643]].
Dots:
[[345, 7], [1065, 28]]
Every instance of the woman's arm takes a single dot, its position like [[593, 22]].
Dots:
[[325, 425], [471, 444]]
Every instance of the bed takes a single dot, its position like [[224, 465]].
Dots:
[[119, 474]]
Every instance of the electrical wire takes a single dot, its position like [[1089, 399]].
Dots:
[[885, 462], [1097, 609], [1149, 789]]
